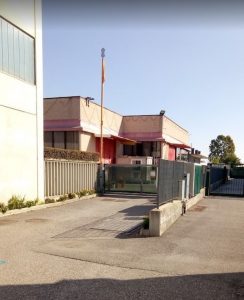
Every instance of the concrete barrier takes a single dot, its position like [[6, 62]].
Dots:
[[160, 219]]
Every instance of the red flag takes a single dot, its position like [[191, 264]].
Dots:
[[103, 72]]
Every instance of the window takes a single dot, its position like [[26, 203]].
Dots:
[[72, 140], [62, 139], [48, 139], [143, 149], [16, 52], [136, 162]]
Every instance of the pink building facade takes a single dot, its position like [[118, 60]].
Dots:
[[74, 123]]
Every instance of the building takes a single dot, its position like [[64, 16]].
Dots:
[[74, 123], [21, 100], [157, 136]]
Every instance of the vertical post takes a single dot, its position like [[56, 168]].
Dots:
[[158, 181], [101, 124]]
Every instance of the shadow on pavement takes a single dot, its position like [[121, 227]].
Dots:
[[137, 210], [210, 286]]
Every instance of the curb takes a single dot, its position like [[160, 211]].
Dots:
[[42, 206]]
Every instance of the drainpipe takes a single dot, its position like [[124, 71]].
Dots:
[[162, 112]]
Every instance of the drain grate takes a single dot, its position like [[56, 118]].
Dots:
[[118, 225]]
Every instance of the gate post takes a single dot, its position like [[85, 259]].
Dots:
[[101, 179]]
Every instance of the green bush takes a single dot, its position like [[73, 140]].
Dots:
[[30, 203], [49, 200], [16, 202], [85, 193], [56, 153], [62, 198], [91, 192], [3, 208], [82, 193], [71, 195], [145, 223]]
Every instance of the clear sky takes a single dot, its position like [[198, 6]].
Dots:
[[187, 59]]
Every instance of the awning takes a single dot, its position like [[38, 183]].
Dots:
[[117, 138], [124, 140]]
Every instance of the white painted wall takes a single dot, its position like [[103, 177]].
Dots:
[[21, 113], [87, 142]]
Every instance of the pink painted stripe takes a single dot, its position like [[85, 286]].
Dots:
[[63, 129], [142, 135], [54, 124]]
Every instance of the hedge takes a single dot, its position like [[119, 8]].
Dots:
[[56, 153]]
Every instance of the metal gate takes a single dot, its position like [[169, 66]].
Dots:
[[131, 178], [225, 180]]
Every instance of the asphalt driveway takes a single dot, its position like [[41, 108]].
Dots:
[[69, 252]]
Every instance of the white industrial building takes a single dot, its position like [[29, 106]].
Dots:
[[21, 99]]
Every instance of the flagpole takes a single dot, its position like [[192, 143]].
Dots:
[[101, 124], [102, 94]]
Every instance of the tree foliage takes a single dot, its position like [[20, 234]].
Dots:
[[222, 150]]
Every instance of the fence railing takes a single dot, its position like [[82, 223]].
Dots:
[[170, 174], [62, 177], [131, 178]]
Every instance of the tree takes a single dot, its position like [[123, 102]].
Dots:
[[222, 150]]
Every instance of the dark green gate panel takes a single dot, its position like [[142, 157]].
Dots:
[[198, 180], [237, 172]]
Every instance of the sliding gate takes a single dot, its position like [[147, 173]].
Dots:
[[131, 178], [225, 180]]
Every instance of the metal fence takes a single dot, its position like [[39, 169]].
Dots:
[[170, 174], [131, 178], [237, 171], [62, 177]]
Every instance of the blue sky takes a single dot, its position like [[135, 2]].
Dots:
[[187, 60]]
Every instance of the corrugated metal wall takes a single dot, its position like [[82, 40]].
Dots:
[[62, 177], [170, 173]]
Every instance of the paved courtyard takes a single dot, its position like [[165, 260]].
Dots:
[[70, 252]]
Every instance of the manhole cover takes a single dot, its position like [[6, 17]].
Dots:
[[36, 220], [7, 221], [198, 208]]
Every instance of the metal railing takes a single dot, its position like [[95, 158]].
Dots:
[[62, 177], [131, 178], [170, 174]]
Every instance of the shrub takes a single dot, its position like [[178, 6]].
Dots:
[[3, 208], [85, 193], [71, 195], [49, 200], [62, 198], [82, 193], [70, 154], [36, 201], [30, 203], [91, 192], [16, 202], [145, 223]]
